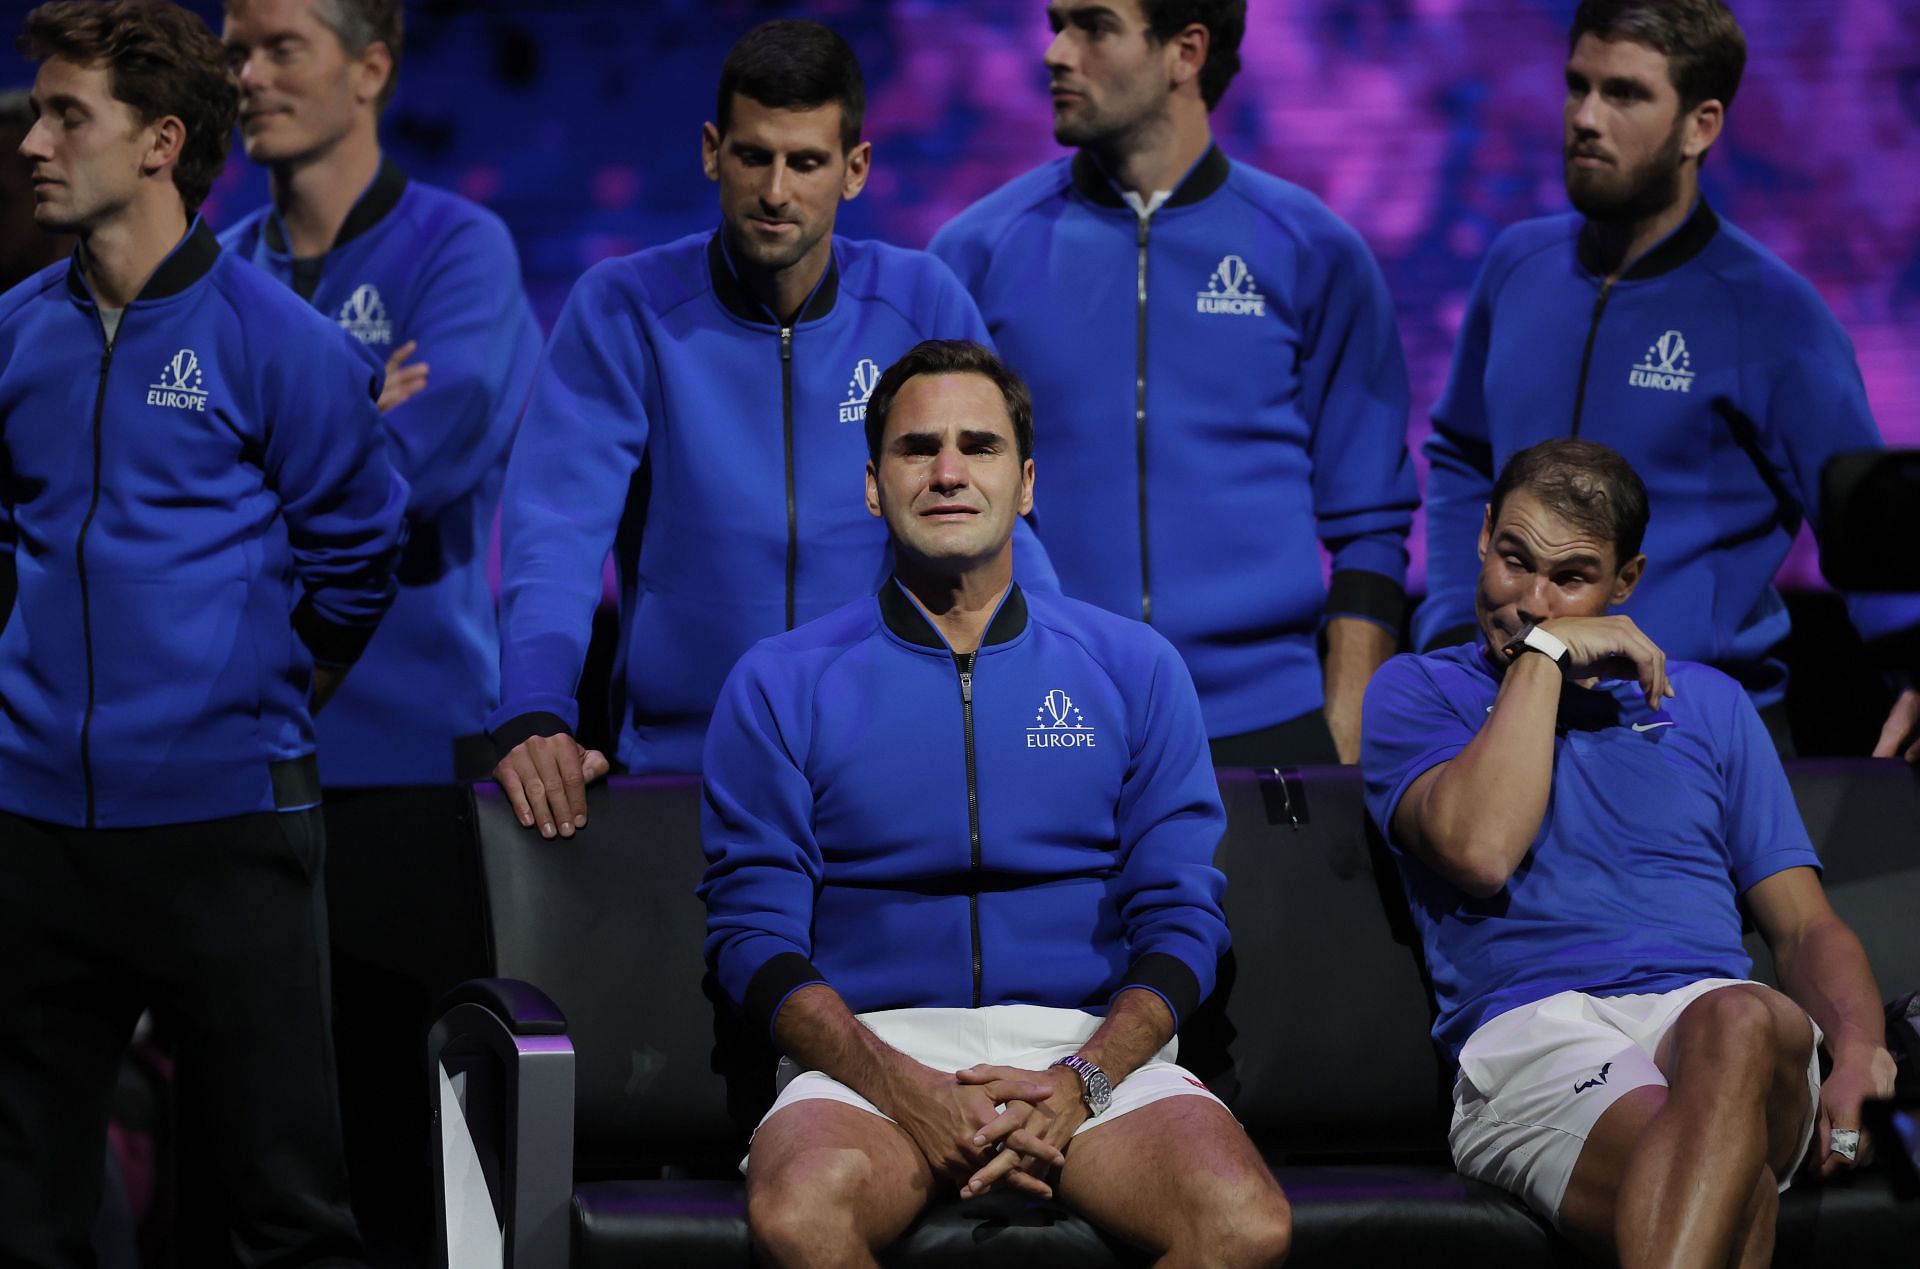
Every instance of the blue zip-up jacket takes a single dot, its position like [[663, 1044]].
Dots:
[[201, 509], [719, 454], [1218, 390], [1711, 367], [416, 263], [1031, 823]]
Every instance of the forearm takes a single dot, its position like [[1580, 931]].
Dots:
[[1826, 971], [326, 681], [1137, 1026], [1483, 811], [816, 1029], [1355, 649]]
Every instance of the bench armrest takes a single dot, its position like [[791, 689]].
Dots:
[[501, 1071]]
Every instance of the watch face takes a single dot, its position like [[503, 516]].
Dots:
[[1099, 1090]]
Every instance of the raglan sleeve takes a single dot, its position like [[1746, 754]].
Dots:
[[1354, 383], [478, 338], [1815, 408], [1170, 822], [1407, 728], [1459, 457], [325, 456], [1764, 831], [764, 865], [582, 438]]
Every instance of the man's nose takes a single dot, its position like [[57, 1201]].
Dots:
[[774, 193], [1584, 117], [34, 144], [248, 74], [1536, 601], [949, 469], [1055, 59]]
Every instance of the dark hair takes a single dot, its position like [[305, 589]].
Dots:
[[1226, 22], [951, 357], [1584, 483], [1705, 48], [161, 60], [795, 64]]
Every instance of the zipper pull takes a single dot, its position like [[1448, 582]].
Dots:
[[966, 687], [786, 343]]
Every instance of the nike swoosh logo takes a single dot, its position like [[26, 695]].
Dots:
[[1649, 726]]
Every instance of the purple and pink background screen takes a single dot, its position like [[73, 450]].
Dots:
[[1429, 125]]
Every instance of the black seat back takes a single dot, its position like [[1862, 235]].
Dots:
[[1864, 818], [1324, 1008], [608, 925]]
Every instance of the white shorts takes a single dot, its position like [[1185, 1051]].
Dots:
[[1030, 1037], [1534, 1080]]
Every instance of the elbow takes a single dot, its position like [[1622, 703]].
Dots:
[[1478, 865], [1479, 880]]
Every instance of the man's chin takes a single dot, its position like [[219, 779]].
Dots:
[[1593, 196], [771, 257], [1075, 130], [55, 220]]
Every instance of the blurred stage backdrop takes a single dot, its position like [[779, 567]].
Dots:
[[1429, 125]]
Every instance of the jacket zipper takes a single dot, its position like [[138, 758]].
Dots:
[[80, 567], [786, 411], [1586, 357], [973, 811], [1140, 421]]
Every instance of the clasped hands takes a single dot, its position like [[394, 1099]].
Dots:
[[992, 1126]]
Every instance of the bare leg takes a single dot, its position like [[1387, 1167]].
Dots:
[[1667, 1176], [828, 1184], [1181, 1178], [1763, 1213]]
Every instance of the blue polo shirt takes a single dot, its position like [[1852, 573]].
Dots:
[[1656, 824]]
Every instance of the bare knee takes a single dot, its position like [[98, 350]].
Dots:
[[1729, 1026], [805, 1214]]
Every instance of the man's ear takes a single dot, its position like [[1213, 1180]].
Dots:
[[1626, 579], [373, 71], [1026, 487], [1486, 532], [1188, 50], [166, 138], [859, 163], [873, 489], [710, 151], [1704, 124]]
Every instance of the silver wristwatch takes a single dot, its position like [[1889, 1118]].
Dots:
[[1095, 1088]]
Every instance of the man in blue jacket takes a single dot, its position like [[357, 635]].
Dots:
[[205, 525], [407, 270], [698, 411], [959, 842], [1644, 320], [1216, 354], [1579, 819]]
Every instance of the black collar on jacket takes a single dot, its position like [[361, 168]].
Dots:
[[739, 301], [389, 183], [1207, 176], [186, 264], [905, 619], [1678, 247]]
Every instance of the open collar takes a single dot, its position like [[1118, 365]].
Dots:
[[1202, 180], [1672, 251], [738, 300], [905, 619]]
